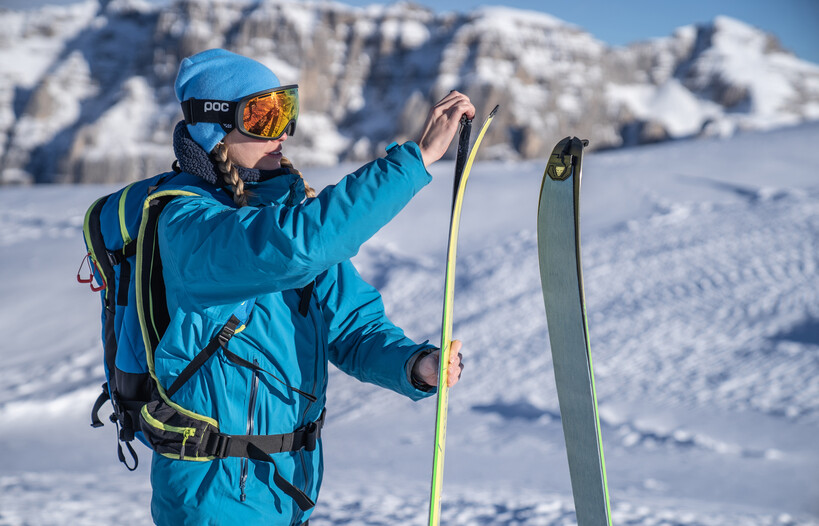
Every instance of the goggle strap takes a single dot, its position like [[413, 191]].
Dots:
[[203, 110]]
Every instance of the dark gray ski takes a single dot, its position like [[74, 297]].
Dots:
[[561, 274]]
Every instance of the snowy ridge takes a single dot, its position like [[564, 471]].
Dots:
[[703, 308], [369, 75]]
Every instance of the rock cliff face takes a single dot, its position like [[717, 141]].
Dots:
[[87, 94]]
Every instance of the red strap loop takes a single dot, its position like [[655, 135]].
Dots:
[[89, 261]]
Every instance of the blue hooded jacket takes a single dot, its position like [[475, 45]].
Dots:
[[217, 257]]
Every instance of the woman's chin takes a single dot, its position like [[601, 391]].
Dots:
[[269, 162]]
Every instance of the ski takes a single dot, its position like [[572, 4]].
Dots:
[[463, 165], [561, 274]]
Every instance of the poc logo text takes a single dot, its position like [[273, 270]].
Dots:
[[216, 106]]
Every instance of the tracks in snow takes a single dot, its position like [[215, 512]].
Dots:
[[705, 305]]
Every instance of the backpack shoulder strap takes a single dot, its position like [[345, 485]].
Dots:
[[154, 319], [151, 303], [150, 289]]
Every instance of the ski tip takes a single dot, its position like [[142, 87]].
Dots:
[[494, 111], [575, 146]]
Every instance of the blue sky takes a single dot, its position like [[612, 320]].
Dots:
[[618, 22]]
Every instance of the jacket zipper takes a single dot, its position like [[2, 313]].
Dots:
[[319, 360], [251, 409]]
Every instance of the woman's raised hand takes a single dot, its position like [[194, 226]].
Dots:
[[441, 125]]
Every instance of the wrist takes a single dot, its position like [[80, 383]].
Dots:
[[426, 156], [415, 378]]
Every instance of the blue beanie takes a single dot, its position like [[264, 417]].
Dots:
[[218, 74]]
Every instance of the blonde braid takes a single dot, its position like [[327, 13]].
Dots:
[[230, 173], [308, 190]]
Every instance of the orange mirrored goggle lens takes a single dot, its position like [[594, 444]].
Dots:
[[269, 115]]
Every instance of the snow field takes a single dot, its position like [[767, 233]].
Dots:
[[704, 320]]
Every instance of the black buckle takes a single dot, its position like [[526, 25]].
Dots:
[[225, 335], [311, 436], [220, 445], [227, 331], [126, 429], [121, 419]]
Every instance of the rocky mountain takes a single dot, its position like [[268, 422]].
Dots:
[[86, 90]]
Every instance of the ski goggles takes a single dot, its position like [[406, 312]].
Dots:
[[264, 115]]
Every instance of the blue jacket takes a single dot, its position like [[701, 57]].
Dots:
[[217, 257]]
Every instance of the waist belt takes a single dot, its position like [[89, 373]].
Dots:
[[222, 445], [260, 447]]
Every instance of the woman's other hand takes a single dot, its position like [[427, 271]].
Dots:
[[426, 369]]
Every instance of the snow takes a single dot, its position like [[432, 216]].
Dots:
[[32, 40], [700, 262], [304, 20], [131, 109], [677, 108], [28, 48], [325, 151], [741, 79], [736, 80], [410, 34], [494, 17], [738, 53]]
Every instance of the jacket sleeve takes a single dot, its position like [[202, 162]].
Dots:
[[227, 254], [364, 343]]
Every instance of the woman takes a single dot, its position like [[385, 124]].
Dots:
[[261, 249]]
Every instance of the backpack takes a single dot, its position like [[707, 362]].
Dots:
[[120, 231]]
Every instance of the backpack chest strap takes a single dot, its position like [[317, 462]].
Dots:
[[220, 340]]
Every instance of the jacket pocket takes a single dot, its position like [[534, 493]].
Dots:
[[174, 434]]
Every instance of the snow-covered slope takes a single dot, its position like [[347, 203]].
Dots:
[[713, 79], [701, 264], [85, 91]]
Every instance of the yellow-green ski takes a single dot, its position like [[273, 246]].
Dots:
[[461, 176]]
